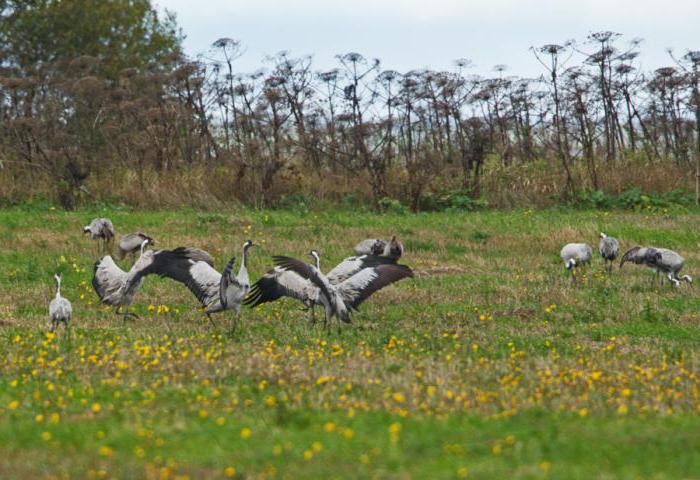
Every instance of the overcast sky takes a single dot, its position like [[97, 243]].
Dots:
[[410, 34]]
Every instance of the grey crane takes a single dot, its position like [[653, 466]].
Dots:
[[215, 291], [130, 243], [575, 256], [339, 299], [374, 246], [118, 288], [280, 282], [102, 230], [231, 289], [661, 260], [60, 309], [608, 248]]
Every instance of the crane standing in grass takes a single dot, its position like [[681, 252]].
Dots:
[[575, 257], [60, 309], [608, 248], [102, 230]]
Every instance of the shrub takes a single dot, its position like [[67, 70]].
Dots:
[[635, 199], [391, 205], [452, 201]]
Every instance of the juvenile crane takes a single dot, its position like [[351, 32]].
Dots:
[[608, 248], [60, 309], [102, 230], [130, 243], [339, 299], [661, 260], [575, 256]]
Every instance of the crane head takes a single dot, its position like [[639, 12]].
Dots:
[[151, 242], [602, 235], [317, 258], [57, 277], [570, 263], [377, 247], [247, 244], [144, 243], [395, 248]]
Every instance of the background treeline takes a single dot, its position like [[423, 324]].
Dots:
[[99, 103]]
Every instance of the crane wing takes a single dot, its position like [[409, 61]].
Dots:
[[305, 270], [278, 283], [351, 265], [363, 284], [189, 266]]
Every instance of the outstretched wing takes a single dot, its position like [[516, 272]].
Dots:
[[189, 266], [351, 265], [305, 270], [363, 284], [278, 283]]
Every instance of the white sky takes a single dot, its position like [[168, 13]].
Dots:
[[409, 34]]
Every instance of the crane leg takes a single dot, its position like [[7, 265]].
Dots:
[[211, 320], [673, 280], [233, 326], [126, 315], [327, 319]]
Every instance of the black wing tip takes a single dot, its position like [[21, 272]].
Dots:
[[403, 270], [261, 292], [287, 263]]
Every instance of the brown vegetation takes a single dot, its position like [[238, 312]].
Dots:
[[158, 128]]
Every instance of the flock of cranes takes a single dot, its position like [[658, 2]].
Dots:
[[343, 289], [339, 291], [662, 260]]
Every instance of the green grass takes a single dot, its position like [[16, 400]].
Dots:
[[488, 364]]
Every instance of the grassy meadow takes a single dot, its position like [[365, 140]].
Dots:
[[488, 364]]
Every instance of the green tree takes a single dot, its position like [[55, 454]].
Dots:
[[121, 33]]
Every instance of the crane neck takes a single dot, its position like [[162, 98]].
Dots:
[[243, 271], [58, 287]]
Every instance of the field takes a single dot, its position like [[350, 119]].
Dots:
[[488, 364]]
